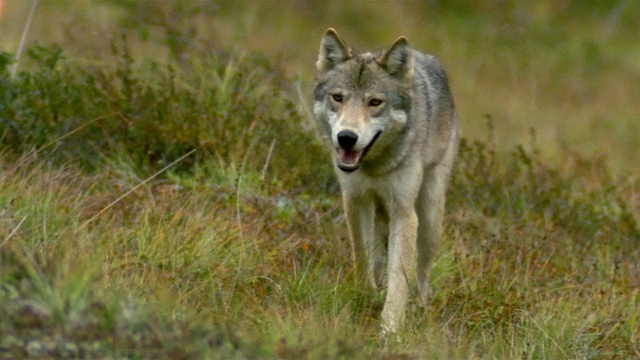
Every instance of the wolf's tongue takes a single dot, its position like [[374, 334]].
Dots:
[[349, 157]]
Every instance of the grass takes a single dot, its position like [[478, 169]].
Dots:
[[110, 249], [169, 270]]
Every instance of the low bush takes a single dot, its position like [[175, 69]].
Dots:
[[229, 107]]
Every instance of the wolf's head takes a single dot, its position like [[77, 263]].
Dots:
[[362, 100]]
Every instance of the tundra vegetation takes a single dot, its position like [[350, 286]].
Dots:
[[163, 193]]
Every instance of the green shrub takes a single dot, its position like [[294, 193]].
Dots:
[[526, 189], [232, 108]]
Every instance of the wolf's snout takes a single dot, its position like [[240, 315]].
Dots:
[[347, 139]]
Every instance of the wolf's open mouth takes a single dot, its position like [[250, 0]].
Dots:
[[350, 160]]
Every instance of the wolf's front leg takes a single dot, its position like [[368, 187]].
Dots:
[[360, 214], [403, 229]]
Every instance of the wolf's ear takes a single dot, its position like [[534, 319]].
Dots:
[[398, 60], [333, 51]]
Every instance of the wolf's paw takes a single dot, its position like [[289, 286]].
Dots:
[[389, 327], [388, 337], [424, 292]]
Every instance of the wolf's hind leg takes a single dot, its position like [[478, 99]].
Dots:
[[430, 210]]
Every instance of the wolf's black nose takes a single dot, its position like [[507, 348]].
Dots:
[[347, 139]]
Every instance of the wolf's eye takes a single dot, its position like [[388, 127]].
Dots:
[[375, 102], [337, 97]]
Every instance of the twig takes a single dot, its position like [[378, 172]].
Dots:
[[304, 104], [34, 153], [62, 137], [15, 229], [266, 163], [24, 38], [134, 189], [244, 162]]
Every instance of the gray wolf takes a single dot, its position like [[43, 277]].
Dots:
[[389, 121]]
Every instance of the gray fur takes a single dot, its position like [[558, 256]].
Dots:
[[394, 177]]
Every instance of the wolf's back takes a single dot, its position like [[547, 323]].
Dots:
[[429, 70], [433, 108]]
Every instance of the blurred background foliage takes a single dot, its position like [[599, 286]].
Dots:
[[567, 68]]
